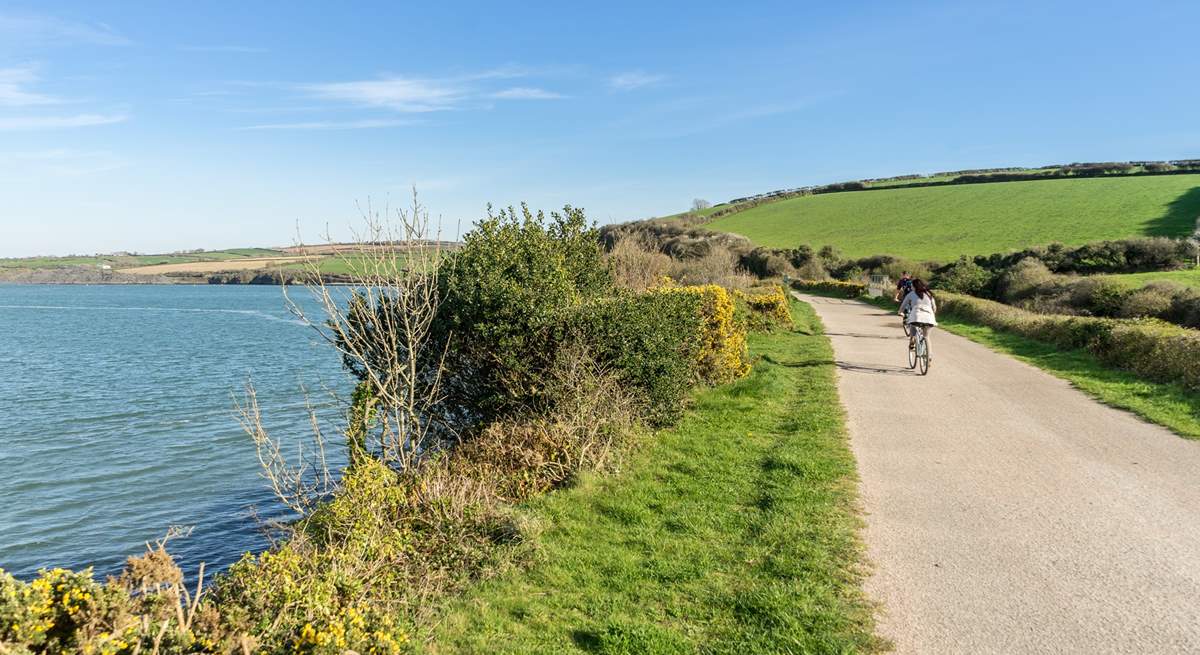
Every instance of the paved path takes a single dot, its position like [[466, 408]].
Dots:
[[1009, 513]]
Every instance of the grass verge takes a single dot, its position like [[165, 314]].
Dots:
[[734, 532]]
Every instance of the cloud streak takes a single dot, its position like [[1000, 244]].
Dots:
[[232, 49], [525, 93], [20, 123], [630, 80], [46, 30], [413, 95], [366, 124], [401, 94], [12, 89]]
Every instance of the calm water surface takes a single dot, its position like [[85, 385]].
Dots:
[[117, 420]]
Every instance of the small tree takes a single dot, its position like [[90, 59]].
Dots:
[[699, 204]]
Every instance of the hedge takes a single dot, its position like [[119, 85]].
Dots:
[[847, 289], [1153, 349]]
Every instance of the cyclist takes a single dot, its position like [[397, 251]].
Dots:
[[920, 310], [903, 286]]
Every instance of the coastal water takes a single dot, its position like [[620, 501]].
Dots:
[[117, 418]]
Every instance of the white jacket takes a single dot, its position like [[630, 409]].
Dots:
[[920, 310]]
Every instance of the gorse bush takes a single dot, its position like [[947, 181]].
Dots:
[[765, 308], [722, 355], [836, 287]]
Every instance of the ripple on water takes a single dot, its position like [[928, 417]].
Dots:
[[118, 421]]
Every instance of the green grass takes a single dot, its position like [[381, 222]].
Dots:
[[733, 533], [1187, 277], [941, 223], [1169, 405]]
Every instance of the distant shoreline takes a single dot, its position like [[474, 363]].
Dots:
[[88, 275]]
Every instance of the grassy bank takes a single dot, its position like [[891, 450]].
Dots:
[[734, 532], [944, 222]]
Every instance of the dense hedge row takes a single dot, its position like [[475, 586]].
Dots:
[[1150, 348], [838, 287]]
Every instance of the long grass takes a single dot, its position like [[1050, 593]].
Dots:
[[733, 533], [942, 223]]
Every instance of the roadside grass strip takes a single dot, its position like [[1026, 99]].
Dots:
[[735, 532]]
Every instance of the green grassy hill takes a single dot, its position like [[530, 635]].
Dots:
[[943, 222]]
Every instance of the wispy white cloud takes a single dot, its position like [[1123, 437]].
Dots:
[[525, 93], [13, 92], [333, 125], [48, 30], [17, 123], [402, 94], [232, 49], [631, 80]]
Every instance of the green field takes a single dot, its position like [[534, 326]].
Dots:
[[129, 261], [1188, 277], [941, 223], [735, 532]]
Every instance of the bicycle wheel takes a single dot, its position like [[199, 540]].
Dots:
[[912, 355], [923, 357]]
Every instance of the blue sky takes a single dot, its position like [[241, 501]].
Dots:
[[160, 126]]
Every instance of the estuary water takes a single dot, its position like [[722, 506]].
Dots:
[[117, 418]]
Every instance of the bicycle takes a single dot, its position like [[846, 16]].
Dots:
[[918, 349]]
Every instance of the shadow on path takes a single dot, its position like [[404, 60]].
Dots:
[[877, 369]]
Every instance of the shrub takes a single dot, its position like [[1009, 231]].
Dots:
[[765, 262], [1154, 300], [1098, 295], [836, 287], [963, 276], [812, 269], [636, 265], [722, 355], [1152, 349], [767, 310], [720, 266], [1024, 279], [514, 278], [651, 342]]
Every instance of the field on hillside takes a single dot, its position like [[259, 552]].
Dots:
[[941, 223], [1188, 277]]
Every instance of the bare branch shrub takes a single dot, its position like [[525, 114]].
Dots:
[[298, 482], [637, 264], [718, 266]]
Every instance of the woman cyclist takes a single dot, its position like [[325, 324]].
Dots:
[[920, 310]]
